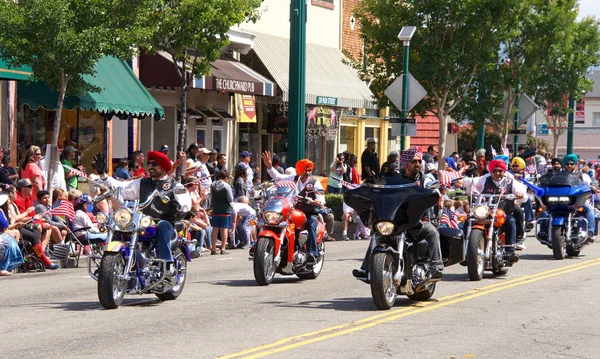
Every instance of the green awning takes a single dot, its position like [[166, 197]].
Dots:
[[14, 73], [123, 93]]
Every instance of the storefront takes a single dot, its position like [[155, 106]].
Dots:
[[87, 121]]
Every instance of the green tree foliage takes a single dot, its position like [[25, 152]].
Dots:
[[194, 32], [62, 40], [454, 41]]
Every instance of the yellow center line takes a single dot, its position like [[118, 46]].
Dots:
[[350, 327]]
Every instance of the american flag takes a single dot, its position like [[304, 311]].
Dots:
[[349, 185], [448, 218], [531, 169], [286, 183], [75, 171], [445, 177], [64, 209]]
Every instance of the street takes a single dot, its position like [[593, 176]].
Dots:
[[543, 308]]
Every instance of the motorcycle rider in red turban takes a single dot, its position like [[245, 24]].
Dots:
[[307, 186], [494, 181], [165, 214]]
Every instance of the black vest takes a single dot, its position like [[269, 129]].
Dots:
[[490, 188], [159, 210], [309, 187]]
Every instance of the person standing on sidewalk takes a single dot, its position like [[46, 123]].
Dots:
[[369, 160]]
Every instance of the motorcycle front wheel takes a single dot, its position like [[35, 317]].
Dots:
[[558, 243], [180, 263], [111, 285], [264, 264], [475, 256], [383, 288]]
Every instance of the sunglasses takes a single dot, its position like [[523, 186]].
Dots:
[[569, 164], [152, 163], [416, 161], [515, 165], [498, 171]]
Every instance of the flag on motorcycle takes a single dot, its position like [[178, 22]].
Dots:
[[445, 177], [349, 185], [448, 218], [64, 209], [286, 183]]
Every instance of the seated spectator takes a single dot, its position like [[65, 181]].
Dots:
[[122, 172], [52, 226], [10, 170], [82, 220], [24, 198], [10, 254]]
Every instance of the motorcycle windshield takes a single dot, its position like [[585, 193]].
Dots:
[[397, 200], [562, 178], [274, 204]]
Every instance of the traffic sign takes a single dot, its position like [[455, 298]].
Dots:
[[416, 92], [402, 120], [542, 129]]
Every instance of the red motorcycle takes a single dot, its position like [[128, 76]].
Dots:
[[281, 244]]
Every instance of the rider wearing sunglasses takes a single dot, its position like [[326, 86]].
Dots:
[[570, 162]]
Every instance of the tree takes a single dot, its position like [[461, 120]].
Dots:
[[193, 32], [454, 41], [63, 40], [564, 75]]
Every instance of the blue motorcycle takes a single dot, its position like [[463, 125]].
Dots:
[[563, 229]]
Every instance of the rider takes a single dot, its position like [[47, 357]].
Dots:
[[307, 186], [411, 161], [489, 184], [139, 189], [525, 212]]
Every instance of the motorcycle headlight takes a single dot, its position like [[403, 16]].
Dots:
[[481, 212], [384, 228], [122, 217], [272, 217], [101, 218], [559, 200], [145, 222]]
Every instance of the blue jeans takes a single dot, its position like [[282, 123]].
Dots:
[[311, 243], [205, 236], [528, 210], [510, 230], [164, 235], [588, 212]]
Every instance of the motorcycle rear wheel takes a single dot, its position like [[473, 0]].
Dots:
[[314, 272], [180, 262], [264, 265], [383, 289], [111, 288], [558, 243], [475, 260]]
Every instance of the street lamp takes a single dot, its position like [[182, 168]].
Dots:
[[405, 35]]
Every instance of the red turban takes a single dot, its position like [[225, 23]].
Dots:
[[496, 163], [163, 161], [303, 165]]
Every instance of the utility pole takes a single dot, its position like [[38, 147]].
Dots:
[[516, 127], [570, 126], [297, 104]]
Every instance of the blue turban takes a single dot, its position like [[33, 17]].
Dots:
[[570, 158], [502, 158]]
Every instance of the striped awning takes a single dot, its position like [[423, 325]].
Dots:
[[328, 79], [233, 76]]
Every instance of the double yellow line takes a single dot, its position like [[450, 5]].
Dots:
[[350, 327]]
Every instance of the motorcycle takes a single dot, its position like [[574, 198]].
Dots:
[[486, 246], [281, 244], [130, 263], [563, 195], [399, 263]]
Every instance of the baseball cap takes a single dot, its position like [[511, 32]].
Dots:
[[213, 151], [193, 146], [245, 154], [24, 182], [69, 149], [164, 148], [206, 151]]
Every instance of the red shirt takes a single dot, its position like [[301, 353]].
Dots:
[[141, 172], [355, 175], [23, 203]]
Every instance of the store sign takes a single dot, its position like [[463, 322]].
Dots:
[[321, 121], [234, 85], [328, 101], [277, 123], [245, 108]]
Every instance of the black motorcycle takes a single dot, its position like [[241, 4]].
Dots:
[[399, 264]]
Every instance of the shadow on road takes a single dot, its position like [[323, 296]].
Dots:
[[464, 277], [537, 256], [252, 282], [86, 306], [341, 304]]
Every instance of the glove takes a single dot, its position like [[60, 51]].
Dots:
[[99, 163]]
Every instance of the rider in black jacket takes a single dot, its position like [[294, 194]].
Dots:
[[139, 189], [411, 161]]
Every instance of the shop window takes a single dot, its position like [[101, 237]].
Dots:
[[200, 137], [347, 138], [217, 140], [328, 4], [596, 119]]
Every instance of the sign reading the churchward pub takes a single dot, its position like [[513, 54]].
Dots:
[[234, 85]]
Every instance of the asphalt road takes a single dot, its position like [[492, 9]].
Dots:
[[543, 308]]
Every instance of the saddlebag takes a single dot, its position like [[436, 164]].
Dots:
[[452, 244]]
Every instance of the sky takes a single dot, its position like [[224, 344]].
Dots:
[[589, 7]]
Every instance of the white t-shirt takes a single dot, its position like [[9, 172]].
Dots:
[[82, 220], [243, 209]]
